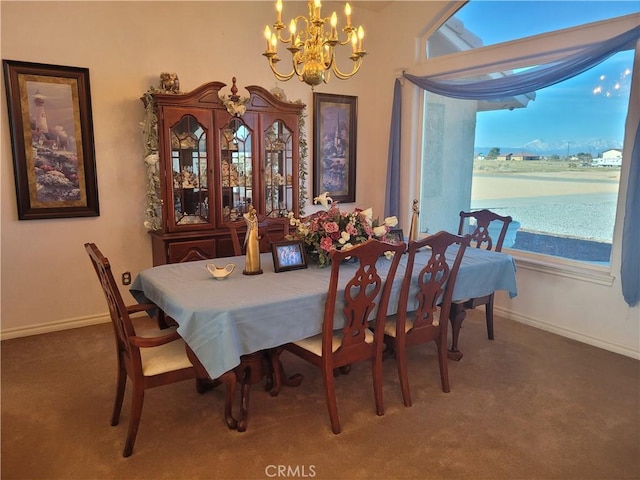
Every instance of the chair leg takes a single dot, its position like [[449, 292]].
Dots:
[[377, 383], [330, 394], [443, 358], [489, 314], [137, 400], [401, 359], [121, 383]]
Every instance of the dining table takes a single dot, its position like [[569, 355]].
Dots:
[[227, 321]]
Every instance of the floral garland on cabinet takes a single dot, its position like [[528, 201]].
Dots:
[[169, 83]]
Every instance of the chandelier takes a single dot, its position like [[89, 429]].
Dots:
[[313, 49]]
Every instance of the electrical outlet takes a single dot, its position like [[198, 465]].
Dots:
[[126, 278]]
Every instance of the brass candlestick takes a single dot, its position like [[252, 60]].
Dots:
[[413, 232]]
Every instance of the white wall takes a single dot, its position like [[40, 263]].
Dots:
[[47, 282]]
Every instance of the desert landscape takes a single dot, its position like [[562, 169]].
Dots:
[[550, 197]]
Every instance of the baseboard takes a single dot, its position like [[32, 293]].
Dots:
[[9, 333], [565, 332]]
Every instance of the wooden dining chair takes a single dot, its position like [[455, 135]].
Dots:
[[481, 238], [363, 303], [150, 358], [422, 316], [270, 229]]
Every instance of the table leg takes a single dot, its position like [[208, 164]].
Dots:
[[456, 316], [204, 383], [278, 377], [250, 371], [245, 390], [255, 367]]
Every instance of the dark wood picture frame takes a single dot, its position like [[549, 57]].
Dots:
[[288, 255], [51, 128], [334, 146]]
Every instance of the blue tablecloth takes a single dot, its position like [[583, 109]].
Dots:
[[224, 319]]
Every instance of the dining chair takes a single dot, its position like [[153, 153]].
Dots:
[[149, 357], [481, 238], [270, 229], [361, 293], [424, 304]]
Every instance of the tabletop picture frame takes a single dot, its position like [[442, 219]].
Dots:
[[288, 255], [51, 125], [334, 144], [394, 236]]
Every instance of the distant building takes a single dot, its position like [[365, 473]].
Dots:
[[518, 157], [609, 158]]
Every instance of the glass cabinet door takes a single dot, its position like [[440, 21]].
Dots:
[[236, 169], [189, 170], [278, 169]]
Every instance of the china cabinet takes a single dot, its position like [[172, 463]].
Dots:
[[217, 155]]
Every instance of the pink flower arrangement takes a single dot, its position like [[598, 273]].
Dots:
[[332, 229]]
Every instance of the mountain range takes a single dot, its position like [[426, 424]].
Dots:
[[594, 146]]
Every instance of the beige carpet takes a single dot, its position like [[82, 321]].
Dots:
[[528, 405]]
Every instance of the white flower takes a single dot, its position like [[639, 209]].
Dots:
[[344, 237], [368, 214], [347, 246], [324, 200], [391, 221], [380, 230], [389, 254]]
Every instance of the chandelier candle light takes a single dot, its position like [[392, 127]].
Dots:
[[313, 49]]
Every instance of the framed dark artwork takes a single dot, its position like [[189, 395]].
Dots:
[[334, 146], [51, 128], [288, 255]]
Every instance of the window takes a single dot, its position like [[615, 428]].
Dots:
[[489, 22], [550, 159]]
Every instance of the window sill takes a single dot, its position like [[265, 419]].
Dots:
[[586, 272]]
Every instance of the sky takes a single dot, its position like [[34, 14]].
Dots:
[[595, 116]]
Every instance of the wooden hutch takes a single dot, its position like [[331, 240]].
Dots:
[[217, 155]]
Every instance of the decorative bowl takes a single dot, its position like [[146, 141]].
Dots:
[[220, 273]]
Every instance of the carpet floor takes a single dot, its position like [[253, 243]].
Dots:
[[528, 405]]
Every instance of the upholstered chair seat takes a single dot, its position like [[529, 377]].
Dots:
[[314, 344], [390, 327]]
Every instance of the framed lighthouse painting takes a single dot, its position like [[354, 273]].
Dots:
[[52, 140]]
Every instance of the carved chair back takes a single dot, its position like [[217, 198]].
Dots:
[[364, 303], [423, 316], [363, 306], [120, 319], [480, 236], [435, 281]]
